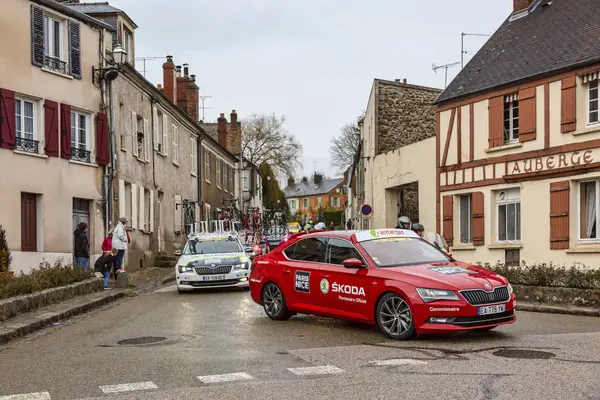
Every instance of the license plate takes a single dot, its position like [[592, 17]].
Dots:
[[213, 278], [492, 309]]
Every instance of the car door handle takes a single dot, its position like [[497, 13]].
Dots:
[[287, 271]]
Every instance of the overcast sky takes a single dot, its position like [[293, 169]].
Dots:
[[313, 61]]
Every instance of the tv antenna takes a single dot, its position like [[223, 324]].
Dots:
[[435, 69], [202, 98], [462, 46], [144, 62]]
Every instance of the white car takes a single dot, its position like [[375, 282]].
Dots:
[[212, 261]]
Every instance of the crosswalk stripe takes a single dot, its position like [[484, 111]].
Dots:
[[238, 376], [398, 361], [319, 370], [127, 387], [27, 396]]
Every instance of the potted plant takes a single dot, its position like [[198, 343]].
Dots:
[[5, 257]]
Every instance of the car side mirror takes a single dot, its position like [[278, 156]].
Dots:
[[352, 263], [177, 253]]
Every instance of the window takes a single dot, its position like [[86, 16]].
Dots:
[[589, 210], [147, 206], [231, 185], [398, 252], [128, 203], [25, 125], [305, 203], [123, 135], [245, 179], [225, 177], [127, 42], [139, 128], [193, 150], [53, 37], [219, 164], [175, 144], [512, 257], [160, 119], [335, 202], [339, 250], [466, 233], [206, 165], [511, 119], [29, 222], [293, 204], [79, 137], [509, 215], [319, 202], [593, 102], [311, 250]]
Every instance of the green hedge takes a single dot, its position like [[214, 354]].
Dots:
[[336, 216], [577, 276], [47, 276]]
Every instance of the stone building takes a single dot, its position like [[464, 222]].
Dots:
[[518, 150], [53, 130], [308, 198], [395, 166]]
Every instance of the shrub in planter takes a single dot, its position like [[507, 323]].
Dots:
[[577, 276], [5, 257]]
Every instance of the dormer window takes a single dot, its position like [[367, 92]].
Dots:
[[511, 118], [127, 45]]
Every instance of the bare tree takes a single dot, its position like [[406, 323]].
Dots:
[[343, 148], [265, 140]]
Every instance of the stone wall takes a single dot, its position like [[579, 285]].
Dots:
[[405, 114]]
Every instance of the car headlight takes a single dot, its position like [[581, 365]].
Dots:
[[184, 268], [429, 295], [244, 265], [510, 289]]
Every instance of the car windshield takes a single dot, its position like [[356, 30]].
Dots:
[[212, 246], [398, 252]]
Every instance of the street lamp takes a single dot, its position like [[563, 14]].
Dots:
[[111, 73]]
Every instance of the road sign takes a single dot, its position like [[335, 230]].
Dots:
[[366, 210]]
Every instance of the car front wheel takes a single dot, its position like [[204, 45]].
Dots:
[[274, 303], [394, 317]]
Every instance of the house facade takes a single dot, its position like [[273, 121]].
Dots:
[[518, 143], [395, 164], [53, 130], [307, 199]]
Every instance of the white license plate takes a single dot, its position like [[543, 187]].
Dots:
[[492, 309], [213, 278]]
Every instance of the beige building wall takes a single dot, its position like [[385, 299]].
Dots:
[[55, 181]]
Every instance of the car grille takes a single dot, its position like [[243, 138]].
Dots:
[[482, 320], [211, 283], [221, 270], [479, 297]]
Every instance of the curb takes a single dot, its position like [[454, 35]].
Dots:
[[556, 309], [30, 327]]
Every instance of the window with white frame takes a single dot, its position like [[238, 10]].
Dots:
[[225, 177], [127, 45], [53, 37], [193, 158], [231, 185], [305, 203], [293, 204], [508, 211], [25, 122], [511, 118], [147, 206], [79, 136], [175, 144], [319, 202], [128, 203], [335, 202], [465, 211], [161, 131], [589, 210], [593, 102], [139, 123], [245, 180], [219, 164], [206, 165]]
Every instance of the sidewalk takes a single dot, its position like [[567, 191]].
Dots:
[[558, 309], [139, 282]]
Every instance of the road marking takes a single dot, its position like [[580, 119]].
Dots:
[[27, 396], [128, 387], [320, 370], [238, 376], [398, 361]]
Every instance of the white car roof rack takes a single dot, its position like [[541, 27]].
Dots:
[[211, 228]]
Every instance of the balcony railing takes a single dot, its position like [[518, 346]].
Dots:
[[80, 155], [27, 145], [55, 64]]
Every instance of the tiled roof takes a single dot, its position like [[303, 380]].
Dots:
[[211, 129], [554, 37], [301, 189], [94, 8]]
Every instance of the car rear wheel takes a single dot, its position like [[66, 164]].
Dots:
[[274, 303], [394, 317]]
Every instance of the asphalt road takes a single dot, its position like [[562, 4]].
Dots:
[[220, 345]]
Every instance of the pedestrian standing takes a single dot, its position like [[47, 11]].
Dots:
[[119, 242], [104, 263], [349, 224], [82, 246], [331, 226]]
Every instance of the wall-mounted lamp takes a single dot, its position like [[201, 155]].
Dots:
[[112, 72]]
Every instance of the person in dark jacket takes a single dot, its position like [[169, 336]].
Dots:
[[104, 264], [82, 246]]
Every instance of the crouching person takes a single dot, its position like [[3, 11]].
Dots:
[[104, 263]]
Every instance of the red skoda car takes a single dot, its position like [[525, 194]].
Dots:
[[388, 277]]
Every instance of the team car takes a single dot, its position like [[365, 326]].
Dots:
[[210, 261], [391, 278]]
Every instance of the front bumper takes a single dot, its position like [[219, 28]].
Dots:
[[192, 281], [452, 316]]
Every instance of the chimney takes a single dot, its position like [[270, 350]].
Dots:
[[193, 96], [403, 80], [186, 70], [170, 80], [222, 130], [317, 178], [178, 69], [291, 181], [519, 5], [304, 179], [234, 135]]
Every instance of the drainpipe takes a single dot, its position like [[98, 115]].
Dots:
[[110, 176], [199, 174], [152, 122]]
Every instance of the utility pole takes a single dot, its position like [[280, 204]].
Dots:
[[144, 62], [462, 46], [202, 98], [446, 66]]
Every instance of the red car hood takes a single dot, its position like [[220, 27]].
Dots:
[[451, 275]]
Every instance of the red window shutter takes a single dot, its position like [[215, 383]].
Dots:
[[7, 119], [559, 215], [496, 121], [527, 115], [448, 227], [477, 221], [102, 156], [51, 127], [65, 131], [28, 222], [568, 108]]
